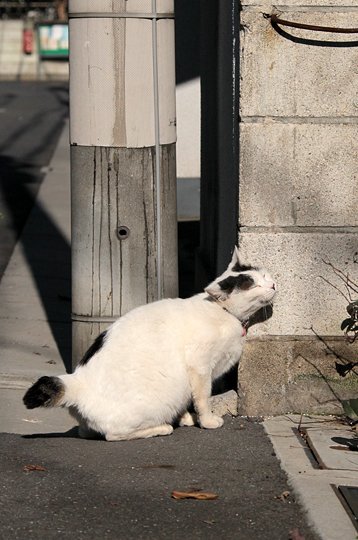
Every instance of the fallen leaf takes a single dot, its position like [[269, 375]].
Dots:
[[28, 468], [284, 495], [199, 495], [296, 535]]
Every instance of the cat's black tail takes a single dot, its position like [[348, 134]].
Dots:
[[46, 392]]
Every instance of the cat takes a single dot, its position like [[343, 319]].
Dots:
[[142, 373]]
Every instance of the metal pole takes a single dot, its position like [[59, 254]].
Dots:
[[157, 143], [219, 136], [122, 134]]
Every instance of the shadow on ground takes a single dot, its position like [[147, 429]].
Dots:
[[33, 119]]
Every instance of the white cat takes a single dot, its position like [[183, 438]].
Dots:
[[141, 375]]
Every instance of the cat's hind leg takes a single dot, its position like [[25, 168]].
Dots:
[[84, 431], [164, 429]]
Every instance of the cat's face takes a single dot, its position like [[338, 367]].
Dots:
[[243, 289]]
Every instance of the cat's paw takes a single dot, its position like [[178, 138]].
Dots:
[[210, 421], [187, 420]]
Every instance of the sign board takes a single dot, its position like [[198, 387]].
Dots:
[[52, 39]]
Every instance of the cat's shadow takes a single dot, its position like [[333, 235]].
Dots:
[[262, 315], [70, 434], [73, 434]]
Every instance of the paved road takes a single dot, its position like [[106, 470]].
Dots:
[[122, 490], [32, 116]]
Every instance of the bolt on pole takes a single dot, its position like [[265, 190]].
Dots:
[[123, 164]]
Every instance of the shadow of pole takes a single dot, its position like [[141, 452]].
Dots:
[[34, 117], [47, 253]]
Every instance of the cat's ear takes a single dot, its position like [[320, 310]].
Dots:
[[235, 257], [238, 260], [215, 291]]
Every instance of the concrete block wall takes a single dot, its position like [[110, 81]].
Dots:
[[298, 200]]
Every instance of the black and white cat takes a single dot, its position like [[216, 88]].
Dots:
[[142, 373]]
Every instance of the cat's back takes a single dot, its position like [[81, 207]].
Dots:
[[166, 329], [174, 319]]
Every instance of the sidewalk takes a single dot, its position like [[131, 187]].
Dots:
[[96, 489], [35, 309], [316, 467]]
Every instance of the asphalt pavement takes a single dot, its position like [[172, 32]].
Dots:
[[95, 489], [55, 485]]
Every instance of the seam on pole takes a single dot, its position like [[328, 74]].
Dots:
[[157, 152], [119, 15]]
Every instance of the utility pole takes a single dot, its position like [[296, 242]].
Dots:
[[123, 172]]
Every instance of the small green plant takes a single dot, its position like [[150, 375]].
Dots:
[[350, 327], [350, 324]]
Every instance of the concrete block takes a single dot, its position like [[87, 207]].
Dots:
[[286, 77], [288, 375], [259, 4], [225, 403], [298, 174], [296, 260]]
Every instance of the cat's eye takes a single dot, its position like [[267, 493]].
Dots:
[[246, 286]]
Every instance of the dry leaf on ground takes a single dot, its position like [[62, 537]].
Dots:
[[29, 468], [199, 495], [284, 495], [296, 535]]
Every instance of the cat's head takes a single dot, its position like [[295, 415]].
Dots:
[[242, 289]]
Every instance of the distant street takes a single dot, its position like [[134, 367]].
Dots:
[[31, 119]]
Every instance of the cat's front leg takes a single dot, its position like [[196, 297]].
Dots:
[[186, 419], [201, 390]]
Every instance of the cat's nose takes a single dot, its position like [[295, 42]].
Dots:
[[273, 286]]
